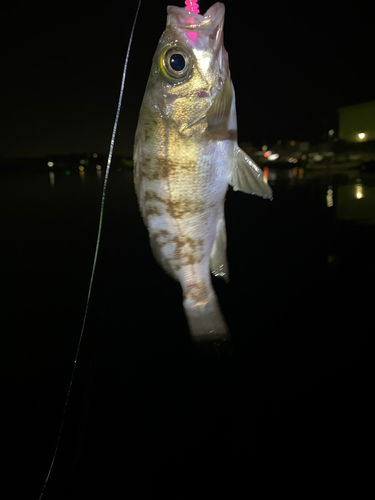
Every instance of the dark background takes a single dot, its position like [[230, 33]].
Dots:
[[292, 65], [287, 407]]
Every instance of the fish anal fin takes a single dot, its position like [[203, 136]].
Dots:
[[218, 257]]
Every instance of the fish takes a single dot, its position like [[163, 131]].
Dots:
[[185, 155]]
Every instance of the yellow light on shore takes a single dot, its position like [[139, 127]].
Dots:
[[362, 135]]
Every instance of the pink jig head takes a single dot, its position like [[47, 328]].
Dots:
[[192, 6]]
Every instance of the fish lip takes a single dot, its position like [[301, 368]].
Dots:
[[183, 19]]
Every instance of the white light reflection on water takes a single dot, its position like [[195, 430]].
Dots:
[[52, 178], [356, 201], [272, 175], [329, 197], [99, 174], [358, 190]]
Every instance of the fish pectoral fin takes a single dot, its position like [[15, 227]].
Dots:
[[247, 177], [218, 257]]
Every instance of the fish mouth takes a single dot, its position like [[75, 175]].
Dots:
[[180, 18]]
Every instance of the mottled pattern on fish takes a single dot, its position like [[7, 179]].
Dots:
[[185, 155]]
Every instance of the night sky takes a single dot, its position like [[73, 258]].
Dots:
[[292, 63]]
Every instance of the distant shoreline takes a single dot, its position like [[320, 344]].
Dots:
[[62, 162]]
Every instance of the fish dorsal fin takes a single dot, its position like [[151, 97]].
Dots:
[[247, 177]]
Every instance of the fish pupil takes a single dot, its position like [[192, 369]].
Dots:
[[177, 62]]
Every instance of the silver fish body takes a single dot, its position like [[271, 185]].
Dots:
[[185, 155]]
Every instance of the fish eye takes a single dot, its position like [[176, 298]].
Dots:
[[175, 63]]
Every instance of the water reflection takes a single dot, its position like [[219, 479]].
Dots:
[[99, 174], [355, 201], [329, 197], [348, 193], [52, 178], [82, 173], [68, 177], [266, 172], [272, 175], [295, 173], [358, 190]]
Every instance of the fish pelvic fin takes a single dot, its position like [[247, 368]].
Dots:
[[247, 177], [218, 257], [206, 322]]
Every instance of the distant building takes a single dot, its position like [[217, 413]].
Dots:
[[357, 122]]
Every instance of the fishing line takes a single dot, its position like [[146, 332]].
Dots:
[[110, 154]]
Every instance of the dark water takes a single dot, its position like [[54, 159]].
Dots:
[[286, 410]]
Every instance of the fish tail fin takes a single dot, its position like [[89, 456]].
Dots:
[[205, 319]]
